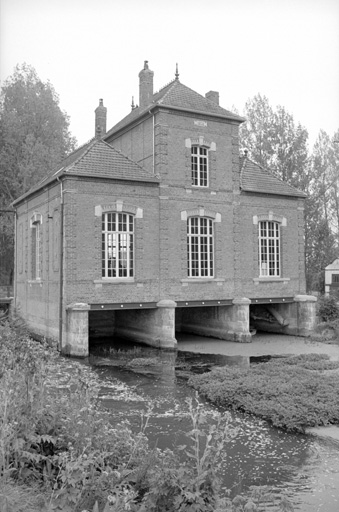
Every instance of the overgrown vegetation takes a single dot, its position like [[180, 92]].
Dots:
[[59, 452], [328, 309], [291, 393]]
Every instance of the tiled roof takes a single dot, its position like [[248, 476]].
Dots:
[[177, 95], [96, 159], [254, 178], [100, 160]]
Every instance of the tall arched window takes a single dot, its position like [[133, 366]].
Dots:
[[200, 247], [199, 166], [117, 245], [269, 249], [36, 222]]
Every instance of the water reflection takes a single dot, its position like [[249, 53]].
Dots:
[[304, 467]]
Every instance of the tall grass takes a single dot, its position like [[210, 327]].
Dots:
[[59, 452]]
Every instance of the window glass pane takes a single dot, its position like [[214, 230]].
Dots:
[[199, 166], [199, 247], [269, 249], [117, 245]]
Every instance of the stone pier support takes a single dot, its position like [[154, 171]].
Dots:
[[154, 327], [75, 342], [297, 318], [239, 320], [303, 315], [229, 323]]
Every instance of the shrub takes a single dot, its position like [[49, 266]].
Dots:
[[53, 432], [328, 309], [282, 391]]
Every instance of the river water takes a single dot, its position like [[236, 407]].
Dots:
[[303, 467]]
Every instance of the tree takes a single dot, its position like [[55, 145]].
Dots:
[[326, 167], [34, 138], [322, 209], [34, 132], [275, 141]]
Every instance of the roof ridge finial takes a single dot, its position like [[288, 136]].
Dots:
[[176, 72]]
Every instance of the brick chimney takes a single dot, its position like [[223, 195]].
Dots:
[[100, 120], [145, 86], [213, 96]]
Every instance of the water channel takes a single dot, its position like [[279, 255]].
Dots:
[[304, 467]]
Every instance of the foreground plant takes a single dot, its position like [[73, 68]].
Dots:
[[53, 432], [59, 451]]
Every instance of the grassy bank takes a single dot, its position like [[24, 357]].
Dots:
[[291, 393]]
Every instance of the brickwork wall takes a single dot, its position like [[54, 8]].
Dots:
[[161, 231], [137, 143], [236, 237], [83, 278], [37, 301], [292, 247]]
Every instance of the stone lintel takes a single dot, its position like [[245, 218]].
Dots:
[[164, 303], [305, 298], [78, 306], [241, 301]]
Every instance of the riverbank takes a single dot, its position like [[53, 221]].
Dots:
[[61, 453]]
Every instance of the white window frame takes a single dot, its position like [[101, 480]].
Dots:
[[269, 248], [117, 249], [200, 247], [199, 165]]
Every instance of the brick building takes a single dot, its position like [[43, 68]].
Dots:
[[158, 225]]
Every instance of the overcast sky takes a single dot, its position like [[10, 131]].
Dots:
[[287, 50]]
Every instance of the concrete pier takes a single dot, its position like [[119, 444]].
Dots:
[[229, 323], [76, 342], [154, 327]]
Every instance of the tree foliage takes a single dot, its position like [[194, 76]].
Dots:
[[34, 137], [34, 132], [275, 141]]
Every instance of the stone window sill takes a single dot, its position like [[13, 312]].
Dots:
[[271, 279], [115, 280], [35, 281], [204, 189], [202, 280]]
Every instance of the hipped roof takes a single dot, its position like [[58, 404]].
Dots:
[[177, 96], [254, 178], [96, 159]]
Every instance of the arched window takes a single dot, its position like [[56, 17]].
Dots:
[[117, 245], [199, 166], [36, 222], [269, 248], [200, 247]]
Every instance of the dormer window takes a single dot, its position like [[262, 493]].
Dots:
[[199, 166]]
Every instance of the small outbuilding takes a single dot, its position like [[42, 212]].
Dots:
[[332, 279]]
